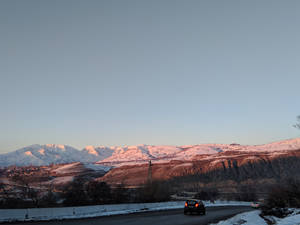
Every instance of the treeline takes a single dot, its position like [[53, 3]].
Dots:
[[80, 193], [94, 192]]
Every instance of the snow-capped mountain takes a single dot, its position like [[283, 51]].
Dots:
[[41, 155], [143, 153], [92, 154], [116, 156]]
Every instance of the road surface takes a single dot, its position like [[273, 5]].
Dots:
[[169, 217]]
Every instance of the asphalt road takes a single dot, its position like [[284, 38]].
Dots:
[[169, 217]]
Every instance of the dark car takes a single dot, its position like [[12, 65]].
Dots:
[[255, 205], [194, 206]]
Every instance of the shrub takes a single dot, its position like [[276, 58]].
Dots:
[[154, 192], [98, 192], [207, 194], [75, 194], [282, 196]]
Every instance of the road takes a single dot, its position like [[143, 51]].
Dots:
[[169, 217]]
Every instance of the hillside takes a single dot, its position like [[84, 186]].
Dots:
[[234, 165]]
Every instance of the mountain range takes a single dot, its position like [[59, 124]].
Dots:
[[140, 154]]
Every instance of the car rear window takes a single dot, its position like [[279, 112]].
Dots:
[[191, 202]]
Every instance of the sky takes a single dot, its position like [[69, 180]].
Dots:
[[148, 72]]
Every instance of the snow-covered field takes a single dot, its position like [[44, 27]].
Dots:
[[253, 218], [7, 215]]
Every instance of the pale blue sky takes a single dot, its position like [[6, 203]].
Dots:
[[148, 72]]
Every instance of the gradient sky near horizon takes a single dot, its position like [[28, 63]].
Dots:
[[148, 72]]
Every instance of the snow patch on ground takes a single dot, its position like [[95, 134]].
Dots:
[[69, 168], [61, 180], [183, 165], [248, 218], [97, 167]]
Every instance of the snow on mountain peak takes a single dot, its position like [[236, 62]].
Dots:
[[42, 151], [91, 150], [41, 155], [28, 153], [93, 154], [53, 153], [62, 147]]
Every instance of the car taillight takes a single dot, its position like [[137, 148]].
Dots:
[[196, 204], [185, 204]]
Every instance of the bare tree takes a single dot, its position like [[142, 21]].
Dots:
[[297, 125], [28, 192], [3, 191]]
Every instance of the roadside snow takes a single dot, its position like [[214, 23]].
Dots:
[[225, 203], [248, 218], [290, 220], [253, 218]]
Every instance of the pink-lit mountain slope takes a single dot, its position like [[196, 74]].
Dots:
[[128, 155], [160, 154]]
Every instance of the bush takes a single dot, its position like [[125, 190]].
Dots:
[[208, 194], [154, 192], [16, 203], [278, 212], [247, 193], [286, 195], [98, 192], [48, 200], [120, 194], [75, 194]]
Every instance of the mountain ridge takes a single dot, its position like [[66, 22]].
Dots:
[[127, 155]]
